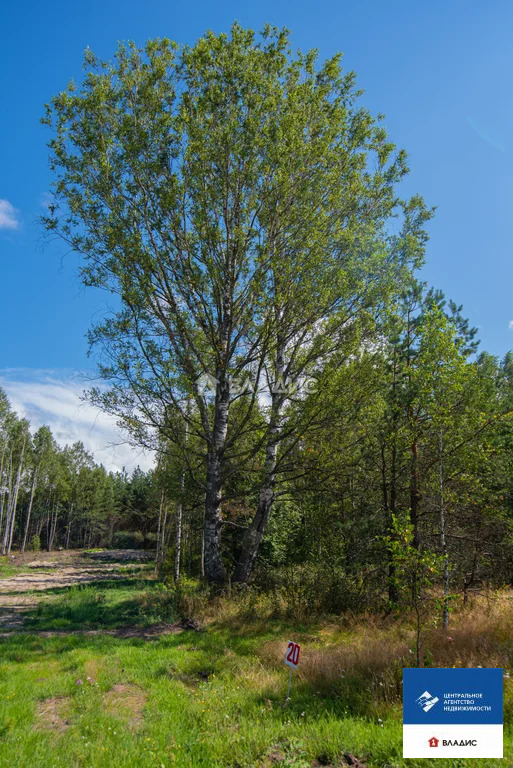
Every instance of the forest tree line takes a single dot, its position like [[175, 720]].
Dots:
[[60, 498]]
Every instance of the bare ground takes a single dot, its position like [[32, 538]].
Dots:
[[126, 701], [51, 714]]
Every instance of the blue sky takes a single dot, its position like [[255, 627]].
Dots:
[[440, 71]]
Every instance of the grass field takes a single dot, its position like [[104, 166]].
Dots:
[[153, 694]]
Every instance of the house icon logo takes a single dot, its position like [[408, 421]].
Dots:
[[427, 701], [433, 741]]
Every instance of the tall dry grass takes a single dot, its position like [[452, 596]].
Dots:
[[366, 655]]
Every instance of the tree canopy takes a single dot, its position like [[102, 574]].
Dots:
[[311, 403]]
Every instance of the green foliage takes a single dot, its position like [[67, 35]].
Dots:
[[127, 540], [35, 543], [306, 590], [198, 183], [238, 199], [150, 540], [416, 572], [158, 605], [190, 598]]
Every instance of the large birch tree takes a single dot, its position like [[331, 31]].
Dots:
[[235, 197]]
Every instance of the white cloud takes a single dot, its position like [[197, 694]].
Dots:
[[8, 215], [53, 398], [510, 325]]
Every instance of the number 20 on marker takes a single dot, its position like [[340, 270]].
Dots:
[[292, 654]]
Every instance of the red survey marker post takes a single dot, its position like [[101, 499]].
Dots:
[[292, 660]]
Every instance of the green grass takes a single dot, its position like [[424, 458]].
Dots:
[[209, 699], [7, 569], [107, 605], [213, 699]]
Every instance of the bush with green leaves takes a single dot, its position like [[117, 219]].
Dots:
[[127, 540], [191, 598], [150, 540]]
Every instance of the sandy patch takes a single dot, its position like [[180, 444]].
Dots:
[[51, 714], [126, 701]]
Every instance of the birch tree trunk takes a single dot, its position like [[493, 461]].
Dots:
[[5, 540], [48, 529], [214, 568], [8, 510], [68, 529], [14, 504], [29, 510], [4, 490], [178, 540], [179, 517], [255, 533], [163, 535], [53, 527], [159, 537]]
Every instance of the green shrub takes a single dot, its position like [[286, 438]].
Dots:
[[127, 540], [307, 589], [35, 543], [150, 540], [167, 602], [158, 605], [190, 598]]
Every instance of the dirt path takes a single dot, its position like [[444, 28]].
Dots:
[[47, 573]]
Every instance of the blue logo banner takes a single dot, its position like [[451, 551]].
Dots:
[[452, 696]]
